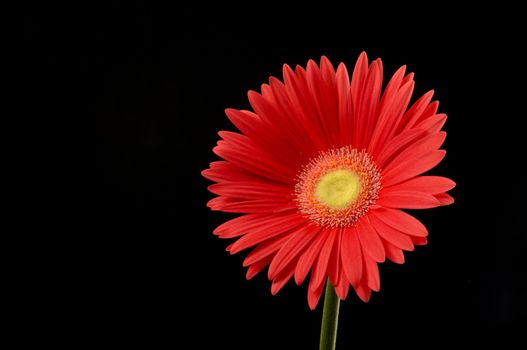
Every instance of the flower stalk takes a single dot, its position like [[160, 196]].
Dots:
[[330, 319]]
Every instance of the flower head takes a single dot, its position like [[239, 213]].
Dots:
[[320, 171]]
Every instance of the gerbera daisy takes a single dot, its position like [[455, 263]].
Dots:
[[320, 171]]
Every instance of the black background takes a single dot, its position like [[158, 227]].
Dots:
[[149, 84]]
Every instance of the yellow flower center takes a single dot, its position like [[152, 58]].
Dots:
[[338, 188]]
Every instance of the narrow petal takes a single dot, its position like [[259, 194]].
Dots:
[[324, 94], [235, 148], [368, 104], [244, 224], [316, 96], [309, 256], [393, 253], [258, 236], [248, 190], [351, 255], [251, 125], [258, 266], [411, 168], [385, 106], [263, 250], [372, 274], [419, 240], [283, 277], [370, 241], [407, 200], [358, 80], [296, 87], [232, 205], [444, 198], [293, 122], [222, 171], [396, 145], [389, 118], [424, 184], [359, 76], [344, 107], [395, 237], [342, 287], [313, 294], [401, 221], [414, 113], [292, 248], [429, 111], [319, 272], [416, 151], [334, 261], [364, 292], [432, 124]]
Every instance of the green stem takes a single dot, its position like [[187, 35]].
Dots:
[[330, 319]]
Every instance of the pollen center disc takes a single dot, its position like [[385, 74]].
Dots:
[[339, 188]]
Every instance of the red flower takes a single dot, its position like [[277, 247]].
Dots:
[[321, 171]]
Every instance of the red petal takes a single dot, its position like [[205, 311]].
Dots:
[[407, 200], [247, 223], [313, 294], [334, 261], [368, 104], [221, 171], [291, 249], [263, 250], [411, 168], [419, 240], [248, 190], [433, 124], [444, 198], [309, 256], [385, 106], [297, 91], [327, 70], [414, 113], [344, 107], [257, 236], [397, 238], [316, 96], [401, 221], [370, 241], [351, 255], [372, 274], [231, 205], [282, 142], [283, 277], [359, 77], [342, 287], [258, 266], [235, 149], [393, 253], [358, 80], [363, 292], [319, 273], [416, 151], [393, 115], [292, 125], [430, 110], [395, 145], [424, 184], [324, 97]]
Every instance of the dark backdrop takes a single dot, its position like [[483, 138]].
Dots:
[[150, 83]]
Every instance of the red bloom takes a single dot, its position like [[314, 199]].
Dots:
[[321, 171]]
